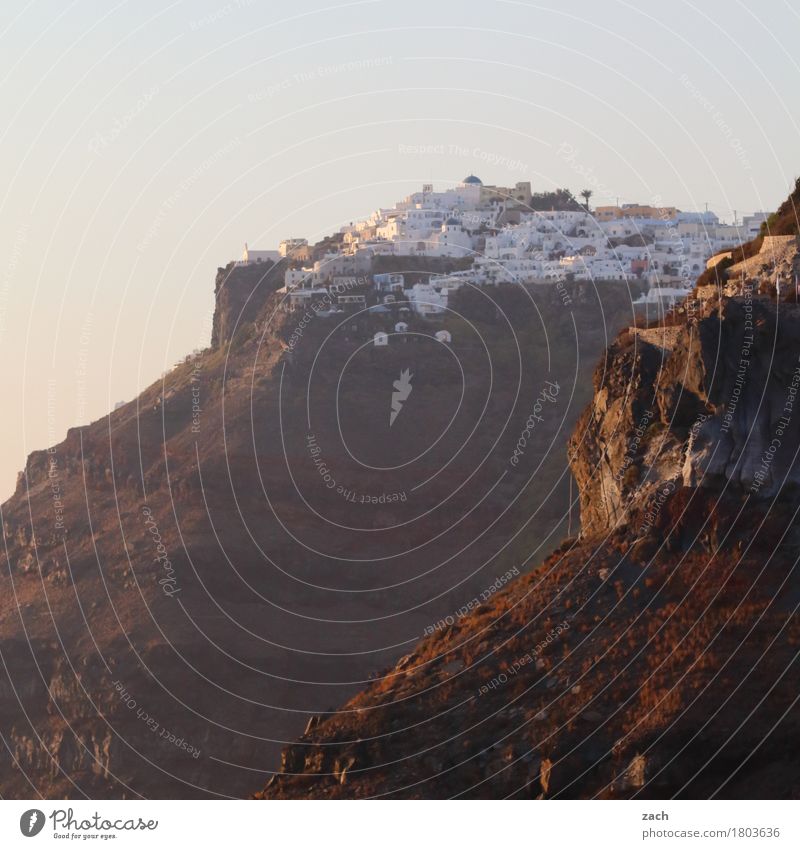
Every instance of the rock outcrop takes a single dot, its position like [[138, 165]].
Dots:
[[241, 292], [713, 406]]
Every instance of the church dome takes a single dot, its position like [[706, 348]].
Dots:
[[472, 180]]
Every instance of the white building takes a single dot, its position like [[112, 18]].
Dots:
[[287, 247], [304, 297], [662, 296], [426, 301], [249, 256], [452, 239], [389, 282], [344, 284], [297, 278], [751, 224], [357, 302]]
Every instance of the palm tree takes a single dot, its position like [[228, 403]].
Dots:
[[586, 194]]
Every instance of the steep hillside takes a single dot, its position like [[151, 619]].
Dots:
[[190, 578], [656, 655]]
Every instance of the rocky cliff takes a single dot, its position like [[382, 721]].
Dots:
[[707, 402], [183, 586], [655, 654], [240, 292]]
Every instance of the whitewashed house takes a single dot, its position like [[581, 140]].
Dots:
[[427, 301], [295, 278], [303, 297], [451, 240], [389, 282], [355, 302], [287, 247], [250, 257]]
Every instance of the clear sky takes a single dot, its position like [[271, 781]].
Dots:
[[144, 142]]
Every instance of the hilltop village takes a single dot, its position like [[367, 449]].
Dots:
[[498, 235]]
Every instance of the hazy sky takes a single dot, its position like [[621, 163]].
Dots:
[[144, 142]]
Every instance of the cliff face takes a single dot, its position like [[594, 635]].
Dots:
[[651, 657], [114, 643], [708, 402], [183, 587], [240, 293]]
